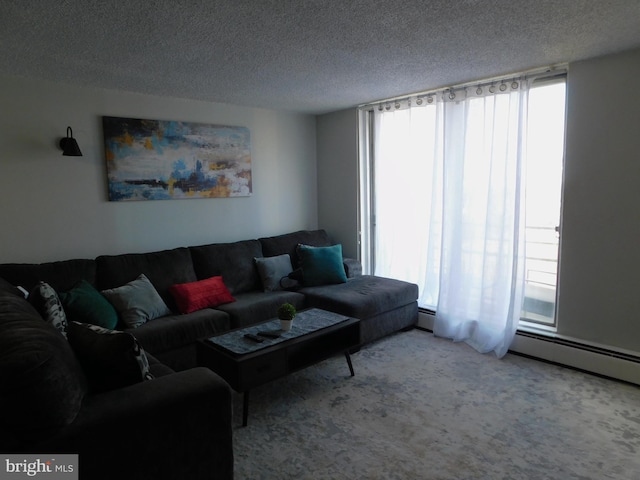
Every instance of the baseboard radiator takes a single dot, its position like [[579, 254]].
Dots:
[[570, 353]]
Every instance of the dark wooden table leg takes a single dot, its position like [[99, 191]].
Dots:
[[245, 408], [348, 357]]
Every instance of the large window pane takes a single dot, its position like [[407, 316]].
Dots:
[[545, 150], [402, 191]]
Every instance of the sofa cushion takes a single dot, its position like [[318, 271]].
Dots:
[[45, 300], [194, 296], [254, 307], [60, 275], [233, 261], [272, 270], [83, 303], [288, 243], [363, 296], [321, 265], [163, 269], [7, 287], [137, 302], [41, 382], [157, 368], [111, 359], [175, 331]]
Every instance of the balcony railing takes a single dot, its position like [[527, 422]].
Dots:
[[541, 274]]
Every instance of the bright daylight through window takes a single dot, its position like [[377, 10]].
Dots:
[[406, 191], [545, 153]]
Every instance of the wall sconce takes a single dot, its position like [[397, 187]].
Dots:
[[69, 145]]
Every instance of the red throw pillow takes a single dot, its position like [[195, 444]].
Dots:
[[202, 294]]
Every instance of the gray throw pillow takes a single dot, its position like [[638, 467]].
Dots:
[[272, 269], [137, 302]]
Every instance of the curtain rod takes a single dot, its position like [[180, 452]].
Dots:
[[542, 72]]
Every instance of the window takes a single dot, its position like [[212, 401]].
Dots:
[[401, 202], [545, 153]]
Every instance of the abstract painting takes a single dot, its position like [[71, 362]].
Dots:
[[160, 160]]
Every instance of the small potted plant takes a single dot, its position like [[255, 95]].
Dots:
[[286, 312]]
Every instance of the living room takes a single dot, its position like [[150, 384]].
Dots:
[[305, 176]]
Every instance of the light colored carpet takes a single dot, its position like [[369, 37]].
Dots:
[[421, 407]]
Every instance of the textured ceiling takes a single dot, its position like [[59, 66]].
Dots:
[[310, 56]]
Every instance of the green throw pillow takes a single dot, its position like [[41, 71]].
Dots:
[[84, 304], [321, 265]]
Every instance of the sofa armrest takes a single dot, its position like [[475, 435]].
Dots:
[[174, 426], [352, 267]]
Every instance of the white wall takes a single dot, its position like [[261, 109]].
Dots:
[[55, 207], [599, 291], [338, 178]]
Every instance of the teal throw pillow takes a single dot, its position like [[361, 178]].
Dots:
[[321, 265], [84, 304]]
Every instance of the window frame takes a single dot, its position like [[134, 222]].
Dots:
[[366, 191]]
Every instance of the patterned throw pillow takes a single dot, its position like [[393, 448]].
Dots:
[[111, 359], [45, 300]]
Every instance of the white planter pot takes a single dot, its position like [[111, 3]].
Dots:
[[286, 325]]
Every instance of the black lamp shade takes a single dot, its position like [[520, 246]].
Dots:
[[69, 145]]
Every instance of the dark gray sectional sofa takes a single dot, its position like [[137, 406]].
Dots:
[[383, 305], [177, 424]]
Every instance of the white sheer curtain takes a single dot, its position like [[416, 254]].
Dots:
[[449, 203], [407, 186]]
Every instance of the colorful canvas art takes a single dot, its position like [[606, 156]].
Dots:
[[159, 160]]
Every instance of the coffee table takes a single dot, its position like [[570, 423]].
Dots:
[[245, 364]]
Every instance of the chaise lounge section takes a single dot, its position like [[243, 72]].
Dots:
[[383, 305]]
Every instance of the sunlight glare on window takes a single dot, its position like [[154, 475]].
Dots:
[[545, 150]]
